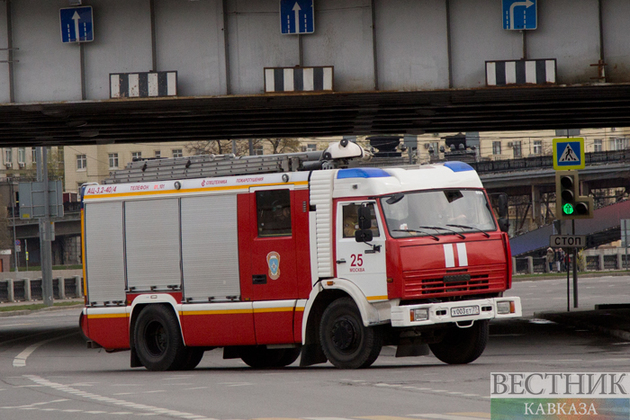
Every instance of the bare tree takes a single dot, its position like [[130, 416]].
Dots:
[[218, 147], [283, 145], [6, 238], [55, 168]]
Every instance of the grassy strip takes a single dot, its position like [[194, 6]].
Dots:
[[34, 306]]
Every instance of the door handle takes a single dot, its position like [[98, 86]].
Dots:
[[341, 261]]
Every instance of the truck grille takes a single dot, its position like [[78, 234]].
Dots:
[[432, 284]]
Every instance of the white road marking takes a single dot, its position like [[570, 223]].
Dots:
[[144, 410], [20, 359]]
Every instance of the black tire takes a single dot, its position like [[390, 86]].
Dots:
[[288, 356], [158, 339], [462, 345], [346, 342], [261, 357], [193, 357]]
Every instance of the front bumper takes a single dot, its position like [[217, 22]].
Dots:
[[461, 311]]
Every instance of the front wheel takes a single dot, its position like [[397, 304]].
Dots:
[[158, 339], [462, 345], [346, 342]]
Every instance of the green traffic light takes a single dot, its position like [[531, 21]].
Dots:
[[567, 208]]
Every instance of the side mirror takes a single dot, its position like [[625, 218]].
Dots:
[[504, 224], [363, 235], [365, 218], [503, 206]]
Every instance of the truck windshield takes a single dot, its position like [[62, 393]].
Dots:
[[437, 212]]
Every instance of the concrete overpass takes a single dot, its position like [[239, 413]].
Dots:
[[390, 66]]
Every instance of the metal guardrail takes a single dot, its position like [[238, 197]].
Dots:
[[546, 161], [24, 290]]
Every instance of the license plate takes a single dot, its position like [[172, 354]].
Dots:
[[465, 311]]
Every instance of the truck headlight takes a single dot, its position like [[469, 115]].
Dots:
[[421, 314], [506, 307]]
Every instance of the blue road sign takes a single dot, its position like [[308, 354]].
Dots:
[[297, 16], [568, 153], [76, 24], [519, 14]]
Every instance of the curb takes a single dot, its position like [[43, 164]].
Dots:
[[565, 319]]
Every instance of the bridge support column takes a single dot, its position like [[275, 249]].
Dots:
[[601, 262], [536, 214]]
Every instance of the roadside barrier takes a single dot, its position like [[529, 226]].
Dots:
[[24, 290]]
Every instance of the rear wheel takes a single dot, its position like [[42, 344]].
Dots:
[[462, 345], [158, 339], [262, 357], [346, 342]]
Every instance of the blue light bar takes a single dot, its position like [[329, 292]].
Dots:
[[458, 166], [361, 173]]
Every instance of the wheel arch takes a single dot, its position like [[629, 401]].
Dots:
[[142, 301], [322, 295]]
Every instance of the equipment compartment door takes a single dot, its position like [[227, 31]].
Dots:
[[274, 268], [360, 262]]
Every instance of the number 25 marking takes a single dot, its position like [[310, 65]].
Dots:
[[357, 260]]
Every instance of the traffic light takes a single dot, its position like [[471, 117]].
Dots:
[[569, 203]]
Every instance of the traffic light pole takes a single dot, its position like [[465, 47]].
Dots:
[[575, 279]]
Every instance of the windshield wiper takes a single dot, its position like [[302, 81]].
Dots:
[[471, 227], [416, 231], [443, 228]]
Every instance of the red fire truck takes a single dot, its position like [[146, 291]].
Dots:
[[284, 259]]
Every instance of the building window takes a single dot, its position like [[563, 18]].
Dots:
[[8, 155], [618, 143], [21, 155], [113, 161], [496, 147], [81, 162], [258, 150], [177, 153], [517, 149], [158, 154], [136, 155], [537, 147], [597, 145]]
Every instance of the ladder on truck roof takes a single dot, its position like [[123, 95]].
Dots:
[[208, 166]]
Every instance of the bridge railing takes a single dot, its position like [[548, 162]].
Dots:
[[25, 290], [546, 161]]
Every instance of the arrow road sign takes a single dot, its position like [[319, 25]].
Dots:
[[76, 24], [519, 14], [297, 17], [568, 153]]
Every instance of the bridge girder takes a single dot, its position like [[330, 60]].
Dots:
[[306, 115]]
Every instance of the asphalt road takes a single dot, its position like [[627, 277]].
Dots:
[[47, 373]]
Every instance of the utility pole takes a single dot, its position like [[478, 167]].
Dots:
[[45, 231]]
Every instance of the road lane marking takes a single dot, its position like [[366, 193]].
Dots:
[[144, 410], [20, 359]]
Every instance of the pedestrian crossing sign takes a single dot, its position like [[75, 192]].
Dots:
[[568, 153]]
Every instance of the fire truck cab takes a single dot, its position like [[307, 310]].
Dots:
[[330, 263]]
